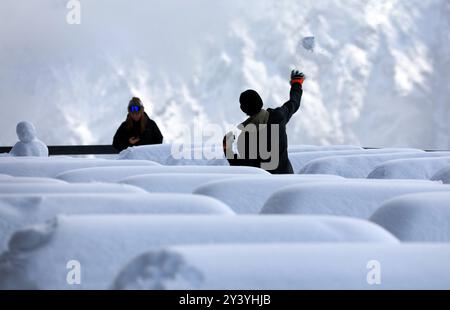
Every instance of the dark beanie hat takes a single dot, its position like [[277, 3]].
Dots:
[[251, 102]]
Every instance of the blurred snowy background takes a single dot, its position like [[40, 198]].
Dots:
[[378, 75]]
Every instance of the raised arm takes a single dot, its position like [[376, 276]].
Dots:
[[289, 108]]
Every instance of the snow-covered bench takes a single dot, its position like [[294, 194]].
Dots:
[[442, 175], [162, 153], [300, 159], [289, 267], [17, 211], [415, 168], [116, 174], [359, 166], [38, 255], [247, 195], [49, 188], [359, 199], [177, 182], [417, 217], [32, 180], [157, 153], [50, 167], [318, 148]]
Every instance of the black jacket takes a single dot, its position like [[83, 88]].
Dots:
[[151, 134], [280, 116]]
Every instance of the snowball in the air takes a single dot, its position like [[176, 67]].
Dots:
[[309, 43]]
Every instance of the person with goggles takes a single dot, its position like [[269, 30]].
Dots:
[[137, 129]]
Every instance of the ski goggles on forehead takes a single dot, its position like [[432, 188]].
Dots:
[[134, 108]]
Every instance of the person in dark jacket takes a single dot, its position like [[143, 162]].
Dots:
[[138, 129], [263, 142]]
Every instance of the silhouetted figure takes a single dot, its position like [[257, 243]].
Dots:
[[263, 142], [138, 129]]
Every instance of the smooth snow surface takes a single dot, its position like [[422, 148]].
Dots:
[[31, 180], [417, 217], [359, 166], [354, 199], [19, 210], [300, 159], [289, 267], [51, 167], [115, 174], [247, 195], [177, 182], [416, 168], [38, 255], [31, 188]]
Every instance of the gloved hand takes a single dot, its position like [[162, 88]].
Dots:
[[297, 77]]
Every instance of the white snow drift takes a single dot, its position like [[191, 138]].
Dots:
[[51, 167], [29, 180], [115, 174], [300, 159], [248, 195], [49, 188], [289, 267], [38, 256], [417, 217], [416, 168], [359, 166], [176, 182], [18, 211], [351, 198]]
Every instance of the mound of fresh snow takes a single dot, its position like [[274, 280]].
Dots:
[[415, 168], [157, 153], [351, 198], [289, 267], [442, 175], [18, 211], [300, 159], [5, 176], [176, 182], [359, 166], [116, 174], [51, 167], [57, 188], [317, 148], [176, 155], [247, 195], [38, 255], [417, 217], [29, 144], [32, 180]]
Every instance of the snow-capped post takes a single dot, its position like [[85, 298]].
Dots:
[[73, 17], [29, 144]]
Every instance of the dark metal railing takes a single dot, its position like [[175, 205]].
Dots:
[[74, 150], [102, 150]]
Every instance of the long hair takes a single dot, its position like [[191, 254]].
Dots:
[[144, 119]]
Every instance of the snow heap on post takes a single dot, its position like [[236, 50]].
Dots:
[[29, 144]]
